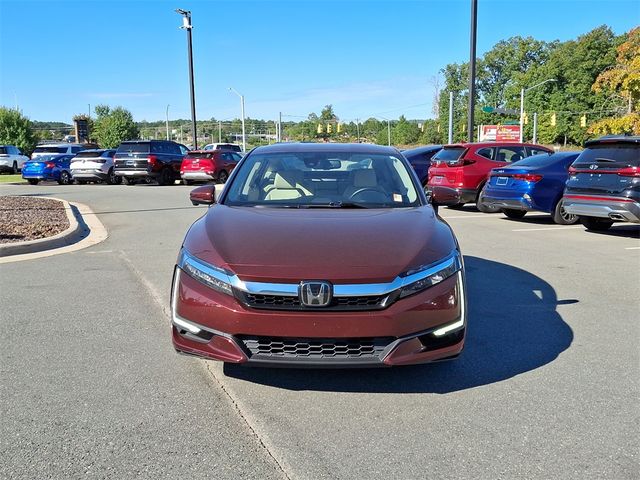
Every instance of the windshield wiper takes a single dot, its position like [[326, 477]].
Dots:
[[335, 205]]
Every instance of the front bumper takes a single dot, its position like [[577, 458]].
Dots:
[[210, 324], [613, 208], [197, 176]]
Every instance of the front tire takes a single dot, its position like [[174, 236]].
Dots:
[[560, 215], [596, 224], [65, 178], [33, 181], [14, 168], [222, 177], [515, 214]]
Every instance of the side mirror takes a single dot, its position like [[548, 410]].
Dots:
[[443, 196], [204, 195]]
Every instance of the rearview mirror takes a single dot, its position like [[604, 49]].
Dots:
[[204, 195], [442, 196]]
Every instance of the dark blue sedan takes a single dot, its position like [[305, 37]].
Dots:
[[533, 184], [48, 167], [420, 159]]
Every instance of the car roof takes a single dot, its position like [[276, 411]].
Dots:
[[422, 149], [62, 144], [494, 144], [614, 139], [295, 147], [96, 150]]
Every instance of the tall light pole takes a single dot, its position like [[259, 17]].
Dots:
[[244, 138], [472, 69], [388, 130], [167, 120], [522, 92], [186, 24]]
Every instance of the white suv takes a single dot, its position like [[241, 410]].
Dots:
[[11, 159], [58, 149], [94, 165]]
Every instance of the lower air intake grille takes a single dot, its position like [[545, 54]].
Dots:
[[325, 348]]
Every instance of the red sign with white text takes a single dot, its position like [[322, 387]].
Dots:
[[500, 133]]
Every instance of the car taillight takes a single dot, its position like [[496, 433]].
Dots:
[[573, 170], [527, 177], [153, 160], [49, 165], [629, 172]]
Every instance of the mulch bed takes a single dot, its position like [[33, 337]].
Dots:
[[28, 218]]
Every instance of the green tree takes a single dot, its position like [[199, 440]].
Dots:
[[327, 115], [405, 133], [16, 129], [431, 133], [113, 126]]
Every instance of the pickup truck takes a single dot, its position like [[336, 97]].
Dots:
[[145, 160], [11, 159]]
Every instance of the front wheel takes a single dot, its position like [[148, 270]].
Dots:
[[596, 224], [14, 168], [33, 181], [65, 178], [222, 177], [515, 214], [561, 216]]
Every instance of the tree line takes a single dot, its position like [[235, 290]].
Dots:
[[595, 90]]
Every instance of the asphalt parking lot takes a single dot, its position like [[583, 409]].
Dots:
[[547, 386]]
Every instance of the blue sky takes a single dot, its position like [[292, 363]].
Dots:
[[367, 58]]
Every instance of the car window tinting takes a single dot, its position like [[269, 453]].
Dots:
[[323, 179], [510, 154], [50, 150], [89, 154], [138, 147], [449, 153], [621, 154], [486, 152], [3, 151], [544, 160]]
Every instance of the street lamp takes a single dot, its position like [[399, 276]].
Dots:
[[186, 24], [244, 138], [167, 120], [522, 92]]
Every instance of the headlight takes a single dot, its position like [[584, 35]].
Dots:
[[422, 278], [213, 277]]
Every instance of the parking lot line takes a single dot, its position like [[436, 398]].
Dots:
[[632, 248], [559, 227], [467, 216]]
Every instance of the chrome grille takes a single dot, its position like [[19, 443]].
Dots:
[[306, 348], [288, 302]]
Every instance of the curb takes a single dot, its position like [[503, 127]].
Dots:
[[84, 231], [61, 239]]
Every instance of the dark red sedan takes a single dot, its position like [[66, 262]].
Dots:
[[320, 255]]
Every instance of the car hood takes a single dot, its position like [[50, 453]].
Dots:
[[339, 245]]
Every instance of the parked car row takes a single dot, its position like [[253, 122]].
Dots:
[[597, 187], [135, 161]]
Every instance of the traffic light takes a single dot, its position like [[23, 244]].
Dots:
[[329, 128], [583, 120], [339, 128], [553, 119], [320, 128], [526, 119]]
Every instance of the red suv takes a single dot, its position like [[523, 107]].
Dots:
[[208, 165], [465, 166]]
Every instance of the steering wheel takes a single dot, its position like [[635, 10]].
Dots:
[[366, 189]]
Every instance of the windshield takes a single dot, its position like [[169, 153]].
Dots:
[[324, 180], [90, 154]]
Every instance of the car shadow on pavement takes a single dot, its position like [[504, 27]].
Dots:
[[513, 328], [628, 230]]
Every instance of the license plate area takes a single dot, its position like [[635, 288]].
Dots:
[[437, 180], [502, 181]]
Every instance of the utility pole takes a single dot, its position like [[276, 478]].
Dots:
[[167, 120], [186, 24], [472, 69], [389, 132], [521, 114], [358, 128], [450, 138], [279, 126], [219, 131], [535, 127], [244, 137]]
